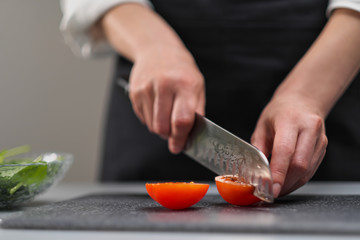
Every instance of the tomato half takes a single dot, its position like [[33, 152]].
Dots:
[[235, 191], [177, 195]]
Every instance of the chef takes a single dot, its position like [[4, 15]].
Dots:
[[282, 74]]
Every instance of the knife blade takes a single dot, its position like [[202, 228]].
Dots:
[[226, 154]]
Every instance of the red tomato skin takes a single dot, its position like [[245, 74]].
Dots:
[[176, 195], [149, 189], [236, 193]]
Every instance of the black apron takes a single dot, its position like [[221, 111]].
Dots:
[[244, 48]]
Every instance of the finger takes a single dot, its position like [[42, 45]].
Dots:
[[148, 106], [319, 160], [319, 154], [182, 120], [309, 149], [139, 113], [137, 106], [163, 104], [262, 138], [138, 110], [303, 181], [302, 161], [200, 109], [323, 142], [283, 150], [316, 161]]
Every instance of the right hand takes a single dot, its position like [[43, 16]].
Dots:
[[166, 90]]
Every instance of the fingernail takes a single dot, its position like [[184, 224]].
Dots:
[[276, 189]]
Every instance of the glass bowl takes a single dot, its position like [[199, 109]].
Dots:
[[22, 178]]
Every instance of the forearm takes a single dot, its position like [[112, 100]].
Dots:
[[166, 86], [132, 29], [329, 66]]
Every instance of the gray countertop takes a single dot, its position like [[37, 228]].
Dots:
[[68, 191]]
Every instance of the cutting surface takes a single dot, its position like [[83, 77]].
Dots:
[[338, 214]]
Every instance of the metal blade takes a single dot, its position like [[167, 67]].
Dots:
[[226, 154]]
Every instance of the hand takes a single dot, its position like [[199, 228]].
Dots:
[[166, 89], [291, 127], [293, 132]]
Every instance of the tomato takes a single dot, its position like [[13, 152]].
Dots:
[[235, 191], [177, 195]]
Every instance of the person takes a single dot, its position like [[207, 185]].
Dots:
[[272, 72]]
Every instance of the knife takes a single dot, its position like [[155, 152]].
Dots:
[[226, 154]]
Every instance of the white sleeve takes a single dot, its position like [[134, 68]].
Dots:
[[350, 4], [78, 18]]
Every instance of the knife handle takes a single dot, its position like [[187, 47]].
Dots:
[[121, 82]]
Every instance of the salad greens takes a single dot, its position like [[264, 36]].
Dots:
[[6, 153], [20, 176]]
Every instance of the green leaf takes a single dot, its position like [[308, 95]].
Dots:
[[14, 177], [31, 174], [7, 172], [19, 176], [6, 153]]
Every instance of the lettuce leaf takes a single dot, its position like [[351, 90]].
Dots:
[[14, 177]]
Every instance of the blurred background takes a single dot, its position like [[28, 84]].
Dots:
[[49, 98]]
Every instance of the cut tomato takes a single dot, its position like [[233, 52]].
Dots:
[[235, 191], [177, 195]]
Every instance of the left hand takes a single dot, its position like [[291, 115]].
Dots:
[[292, 130], [291, 127]]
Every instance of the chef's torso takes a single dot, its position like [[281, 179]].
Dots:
[[244, 50]]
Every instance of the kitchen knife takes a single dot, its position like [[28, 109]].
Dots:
[[226, 154]]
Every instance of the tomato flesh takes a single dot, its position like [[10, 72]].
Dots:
[[177, 195], [235, 191]]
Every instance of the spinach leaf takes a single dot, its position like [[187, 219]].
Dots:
[[21, 178], [14, 177], [27, 176], [6, 153]]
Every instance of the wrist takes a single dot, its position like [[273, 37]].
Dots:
[[303, 99], [164, 51], [134, 30], [312, 86]]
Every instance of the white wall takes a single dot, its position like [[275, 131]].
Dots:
[[49, 98]]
